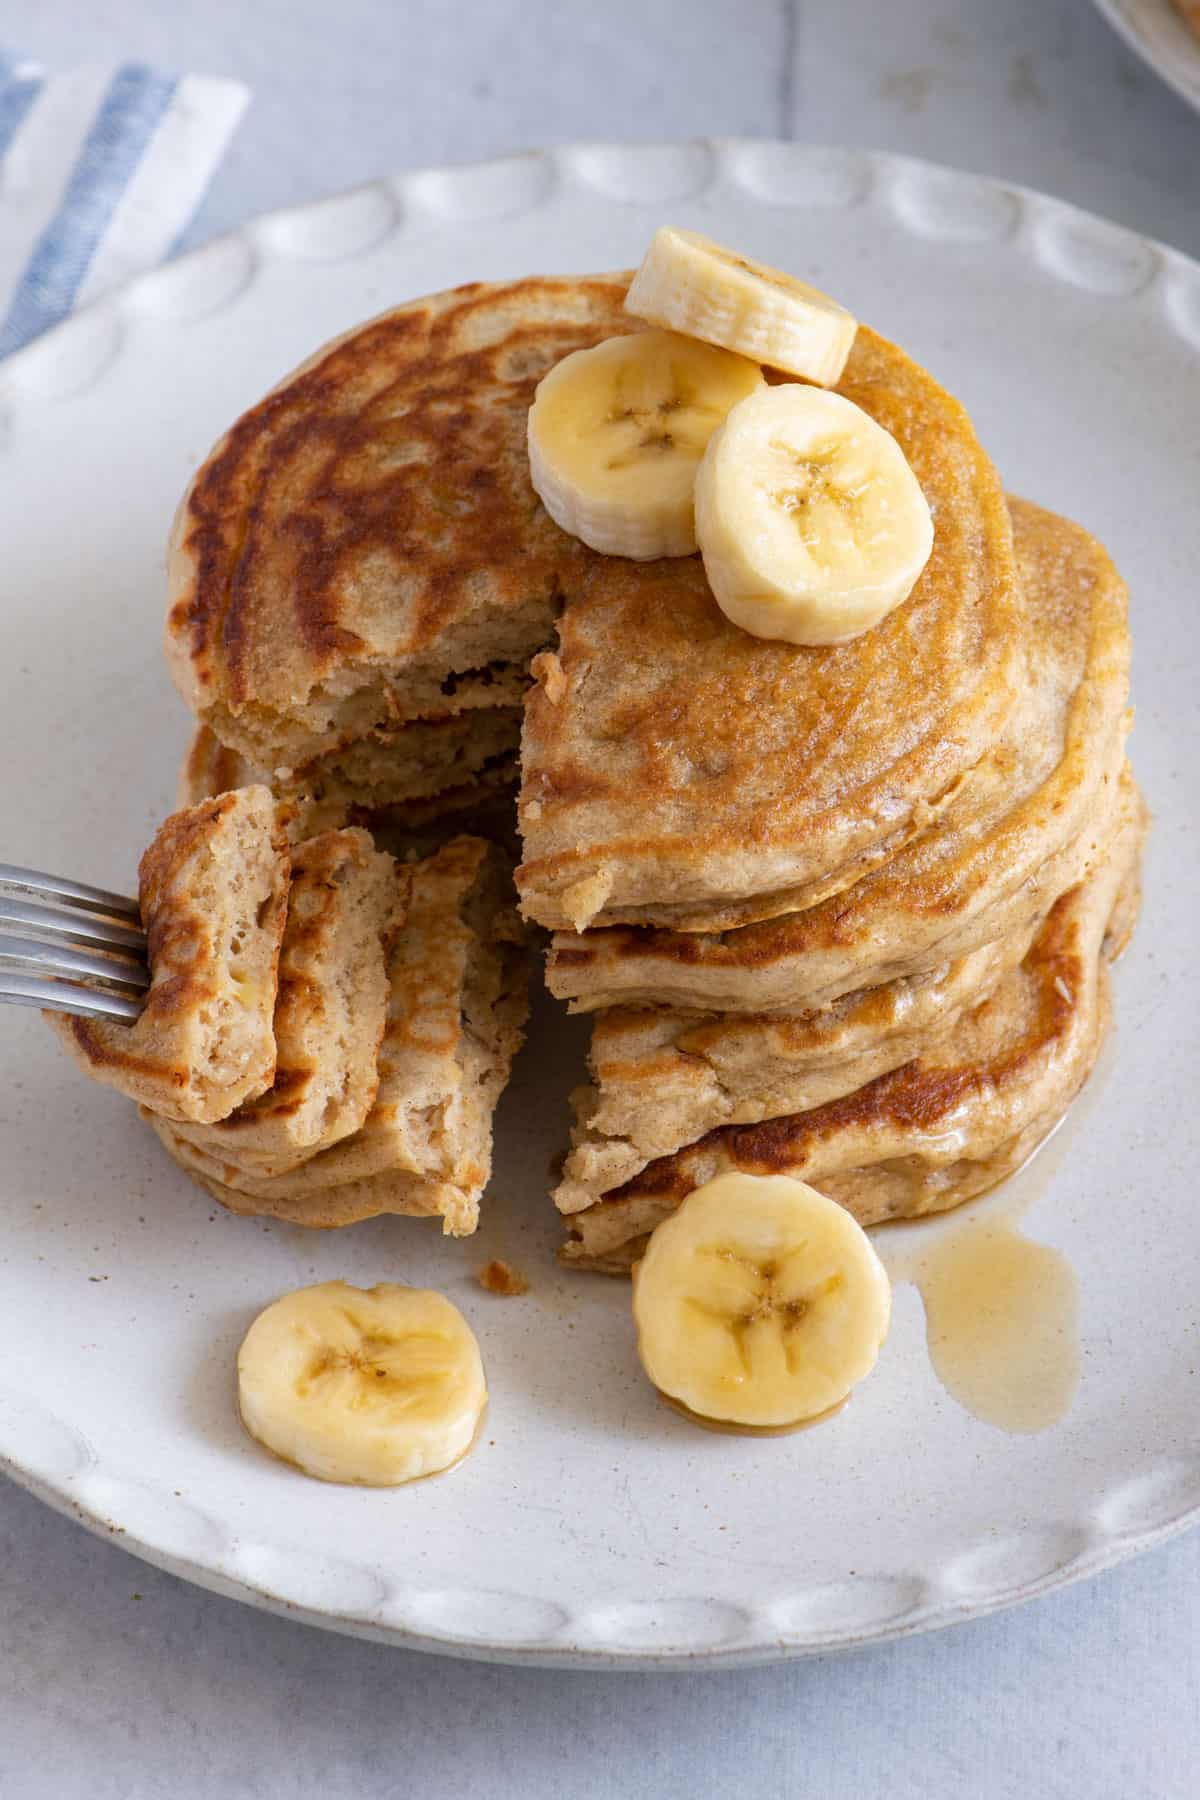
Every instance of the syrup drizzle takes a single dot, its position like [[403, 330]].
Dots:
[[1001, 1309]]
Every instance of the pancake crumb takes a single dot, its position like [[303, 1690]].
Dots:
[[548, 672], [499, 1277], [585, 898]]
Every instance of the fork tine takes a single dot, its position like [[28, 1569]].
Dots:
[[34, 885], [54, 959], [70, 928], [67, 997]]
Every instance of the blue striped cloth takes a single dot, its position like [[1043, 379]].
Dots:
[[101, 169]]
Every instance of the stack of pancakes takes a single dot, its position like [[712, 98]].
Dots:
[[843, 911], [908, 1040]]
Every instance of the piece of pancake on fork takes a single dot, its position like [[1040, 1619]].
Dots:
[[458, 978], [213, 892], [344, 901]]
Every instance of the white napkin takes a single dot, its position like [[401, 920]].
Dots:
[[101, 169]]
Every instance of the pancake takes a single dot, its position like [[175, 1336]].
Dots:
[[213, 894], [401, 1192], [662, 1079], [479, 808], [210, 768], [320, 799], [457, 1005], [678, 771], [416, 761], [1024, 829], [330, 1009], [686, 773], [364, 547], [943, 1127]]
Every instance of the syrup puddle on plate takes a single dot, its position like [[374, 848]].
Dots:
[[1001, 1324], [1001, 1310]]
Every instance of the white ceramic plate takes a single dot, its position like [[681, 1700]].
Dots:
[[591, 1526], [1155, 30]]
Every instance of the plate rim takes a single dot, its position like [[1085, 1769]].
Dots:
[[1094, 1548], [546, 1654]]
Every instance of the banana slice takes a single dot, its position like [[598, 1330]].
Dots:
[[374, 1386], [695, 286], [616, 434], [811, 523], [759, 1302]]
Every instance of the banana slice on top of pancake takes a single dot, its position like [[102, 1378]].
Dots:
[[616, 433], [690, 284], [811, 523], [372, 1386], [760, 1303]]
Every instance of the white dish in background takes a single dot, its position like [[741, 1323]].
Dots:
[[591, 1525], [1159, 35]]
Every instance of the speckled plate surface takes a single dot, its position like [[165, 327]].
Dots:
[[591, 1526], [1155, 30]]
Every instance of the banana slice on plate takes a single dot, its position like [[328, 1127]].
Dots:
[[374, 1386], [759, 1303], [811, 523], [690, 284], [616, 434]]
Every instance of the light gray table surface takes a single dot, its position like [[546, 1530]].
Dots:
[[118, 1682]]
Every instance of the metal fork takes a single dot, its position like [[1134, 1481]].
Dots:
[[80, 949]]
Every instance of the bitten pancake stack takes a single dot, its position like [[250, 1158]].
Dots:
[[842, 909]]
